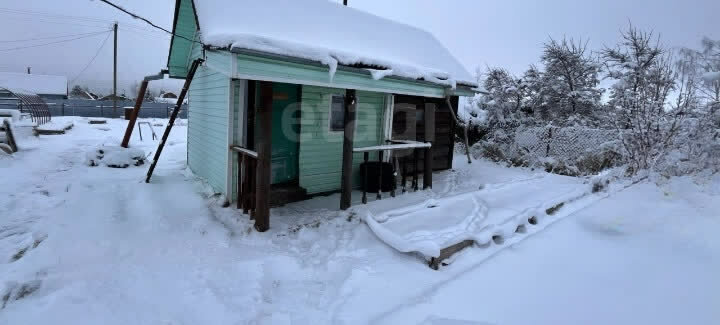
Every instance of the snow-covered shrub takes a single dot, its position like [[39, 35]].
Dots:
[[566, 91], [640, 105], [595, 160], [488, 150], [115, 157]]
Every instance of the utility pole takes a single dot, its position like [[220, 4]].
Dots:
[[115, 26]]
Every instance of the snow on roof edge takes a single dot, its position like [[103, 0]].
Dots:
[[333, 58], [276, 28]]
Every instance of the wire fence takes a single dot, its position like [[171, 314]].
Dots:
[[105, 109], [566, 150], [565, 144]]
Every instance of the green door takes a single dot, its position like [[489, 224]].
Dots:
[[285, 133]]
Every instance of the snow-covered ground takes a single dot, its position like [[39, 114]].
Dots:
[[96, 245]]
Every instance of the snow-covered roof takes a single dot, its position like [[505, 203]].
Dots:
[[330, 33], [34, 83]]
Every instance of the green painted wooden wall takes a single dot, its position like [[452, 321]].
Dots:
[[208, 118], [321, 149]]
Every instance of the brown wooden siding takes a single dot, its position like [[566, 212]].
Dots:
[[408, 124]]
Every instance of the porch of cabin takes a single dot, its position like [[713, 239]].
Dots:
[[320, 136]]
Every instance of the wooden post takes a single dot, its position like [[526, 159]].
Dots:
[[239, 185], [403, 173], [416, 169], [365, 176], [348, 140], [429, 137], [115, 39], [245, 173], [380, 179], [264, 150], [134, 115], [457, 123], [253, 189]]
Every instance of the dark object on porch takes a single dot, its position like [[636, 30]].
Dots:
[[394, 145], [281, 194], [375, 176]]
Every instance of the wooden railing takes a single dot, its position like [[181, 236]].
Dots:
[[246, 189], [395, 145]]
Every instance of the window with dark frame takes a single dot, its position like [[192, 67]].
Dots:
[[337, 113]]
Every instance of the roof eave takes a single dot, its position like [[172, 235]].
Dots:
[[172, 38], [340, 67], [175, 18]]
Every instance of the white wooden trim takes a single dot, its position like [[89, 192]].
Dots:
[[233, 64], [330, 130], [241, 134], [247, 152], [332, 85], [341, 132], [388, 121], [230, 140], [399, 146]]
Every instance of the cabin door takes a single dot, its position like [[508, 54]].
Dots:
[[285, 133]]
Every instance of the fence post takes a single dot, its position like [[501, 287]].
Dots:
[[167, 111], [101, 110], [547, 149]]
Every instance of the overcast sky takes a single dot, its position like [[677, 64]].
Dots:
[[479, 33]]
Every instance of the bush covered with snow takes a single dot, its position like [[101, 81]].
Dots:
[[115, 157]]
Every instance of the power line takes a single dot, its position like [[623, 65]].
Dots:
[[50, 37], [93, 58], [56, 42], [136, 33], [49, 17], [147, 21], [42, 20]]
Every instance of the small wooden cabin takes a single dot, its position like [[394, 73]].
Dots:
[[292, 96]]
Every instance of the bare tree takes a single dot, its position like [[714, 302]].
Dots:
[[700, 70], [639, 106]]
